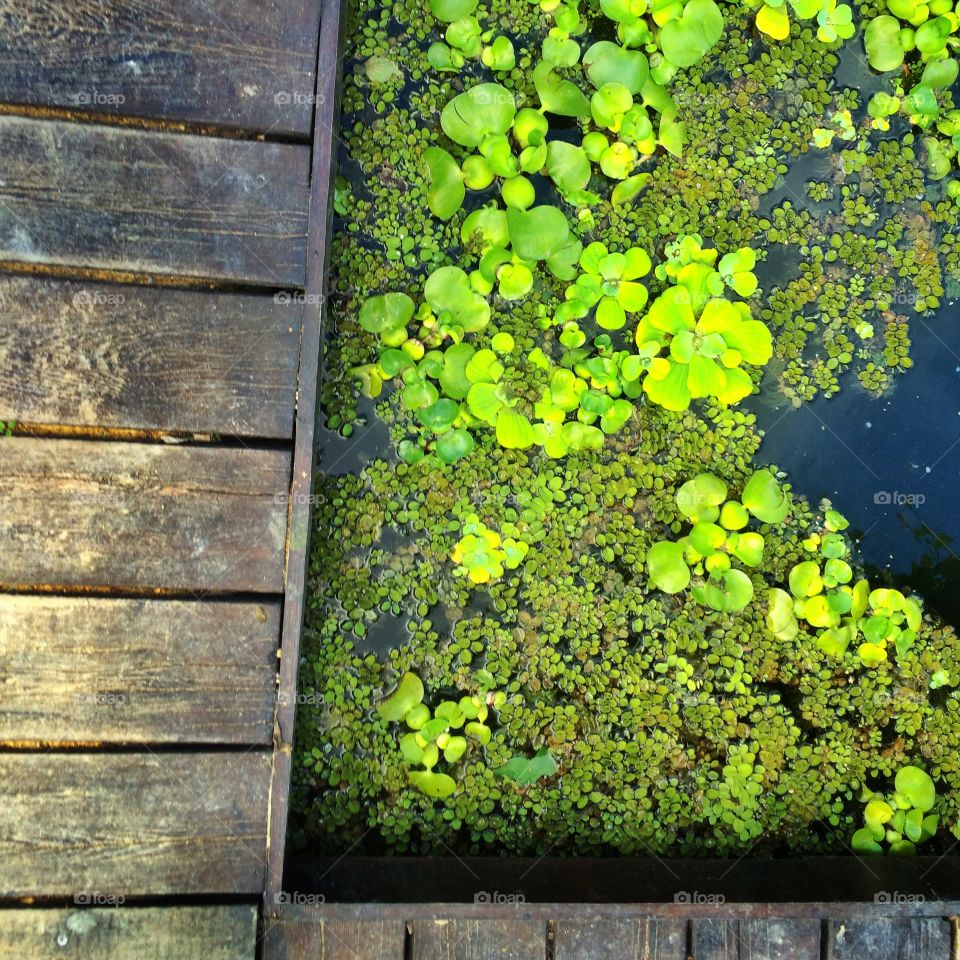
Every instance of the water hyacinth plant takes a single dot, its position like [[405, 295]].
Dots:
[[901, 821], [717, 536]]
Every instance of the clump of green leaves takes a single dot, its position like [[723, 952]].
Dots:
[[834, 21], [823, 594], [706, 337], [482, 555], [901, 821], [717, 536], [432, 736]]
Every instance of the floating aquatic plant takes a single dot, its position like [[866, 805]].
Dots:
[[482, 555], [902, 820], [716, 537]]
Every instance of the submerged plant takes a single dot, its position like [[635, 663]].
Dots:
[[903, 820]]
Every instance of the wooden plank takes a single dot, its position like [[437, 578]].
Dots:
[[502, 939], [96, 825], [90, 513], [131, 933], [715, 938], [335, 940], [321, 220], [887, 938], [247, 64], [779, 939], [118, 199], [84, 354], [649, 938], [137, 671]]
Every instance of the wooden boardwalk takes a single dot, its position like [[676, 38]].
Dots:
[[164, 178], [164, 173]]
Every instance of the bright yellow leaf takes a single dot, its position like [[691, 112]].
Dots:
[[774, 21]]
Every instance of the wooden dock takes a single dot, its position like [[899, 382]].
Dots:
[[164, 176]]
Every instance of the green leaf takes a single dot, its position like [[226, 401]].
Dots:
[[485, 109], [608, 62], [557, 95], [435, 785], [538, 233], [514, 430], [567, 166], [688, 38], [667, 567], [448, 290], [917, 787], [385, 312], [764, 497], [699, 499], [380, 69], [728, 594], [882, 42], [450, 10], [446, 193], [454, 445], [408, 694], [863, 842], [528, 770], [439, 416]]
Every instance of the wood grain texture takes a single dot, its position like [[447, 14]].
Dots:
[[886, 938], [111, 825], [117, 199], [130, 933], [318, 248], [778, 939], [90, 513], [85, 354], [641, 939], [246, 64], [78, 670], [510, 939], [715, 938], [335, 940]]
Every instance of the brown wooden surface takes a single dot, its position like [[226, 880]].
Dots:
[[324, 168], [130, 933], [137, 671], [648, 938], [247, 63], [715, 938], [519, 938], [336, 940], [890, 939], [92, 513], [780, 939], [107, 198], [138, 824], [87, 354]]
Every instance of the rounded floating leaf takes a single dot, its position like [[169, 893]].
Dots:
[[385, 312], [882, 42], [538, 233], [409, 693], [917, 787], [764, 497], [667, 567], [485, 109], [688, 38], [435, 785]]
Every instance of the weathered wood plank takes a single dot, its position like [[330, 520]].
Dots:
[[110, 825], [130, 933], [502, 939], [147, 358], [79, 513], [247, 64], [334, 940], [779, 939], [78, 670], [714, 938], [117, 199], [887, 938], [649, 938]]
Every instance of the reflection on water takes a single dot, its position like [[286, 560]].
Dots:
[[891, 465]]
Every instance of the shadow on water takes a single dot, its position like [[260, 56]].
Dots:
[[891, 465]]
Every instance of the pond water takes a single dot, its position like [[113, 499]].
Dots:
[[557, 601]]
